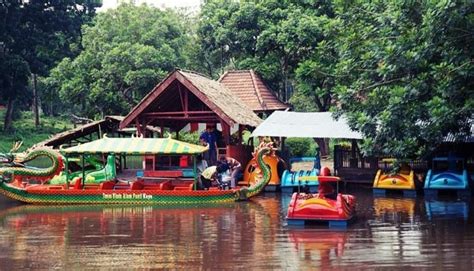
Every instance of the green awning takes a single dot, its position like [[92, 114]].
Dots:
[[135, 146]]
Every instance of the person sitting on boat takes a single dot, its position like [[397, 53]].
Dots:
[[207, 177], [235, 168], [201, 164], [326, 190]]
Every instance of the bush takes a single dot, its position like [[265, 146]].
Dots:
[[189, 137], [299, 147]]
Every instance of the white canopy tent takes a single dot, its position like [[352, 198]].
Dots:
[[302, 124]]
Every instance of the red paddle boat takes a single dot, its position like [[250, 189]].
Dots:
[[327, 205]]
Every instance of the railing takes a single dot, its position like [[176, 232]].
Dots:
[[346, 158]]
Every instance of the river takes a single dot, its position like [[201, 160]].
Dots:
[[389, 232]]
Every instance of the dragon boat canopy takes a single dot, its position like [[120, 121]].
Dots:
[[136, 146]]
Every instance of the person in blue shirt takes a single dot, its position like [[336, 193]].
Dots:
[[209, 137]]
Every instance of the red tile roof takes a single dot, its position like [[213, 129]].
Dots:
[[251, 89]]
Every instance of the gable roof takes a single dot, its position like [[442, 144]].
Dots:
[[251, 89], [302, 124], [213, 94]]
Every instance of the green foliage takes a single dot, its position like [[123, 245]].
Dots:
[[406, 73], [189, 137], [25, 130], [299, 147], [270, 36], [302, 102], [34, 35], [127, 51]]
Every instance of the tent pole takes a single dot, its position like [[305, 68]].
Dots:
[[66, 167], [195, 172], [83, 172]]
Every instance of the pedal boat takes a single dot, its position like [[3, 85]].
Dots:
[[404, 179], [447, 173], [320, 207]]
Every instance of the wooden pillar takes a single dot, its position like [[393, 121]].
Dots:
[[225, 132], [139, 127], [353, 161], [241, 128]]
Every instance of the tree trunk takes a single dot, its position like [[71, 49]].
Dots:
[[35, 100], [323, 144], [9, 114]]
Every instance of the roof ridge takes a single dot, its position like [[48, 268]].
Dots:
[[257, 90], [222, 76], [194, 72], [239, 71]]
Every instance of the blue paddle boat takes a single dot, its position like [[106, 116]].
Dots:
[[291, 181], [447, 173]]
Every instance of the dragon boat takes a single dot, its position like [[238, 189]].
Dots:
[[327, 205], [252, 171], [30, 185], [401, 180]]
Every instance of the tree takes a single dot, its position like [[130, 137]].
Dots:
[[270, 36], [38, 33], [405, 73], [14, 72], [126, 52]]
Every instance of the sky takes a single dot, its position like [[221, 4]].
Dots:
[[193, 4]]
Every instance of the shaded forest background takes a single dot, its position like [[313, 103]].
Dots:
[[401, 71]]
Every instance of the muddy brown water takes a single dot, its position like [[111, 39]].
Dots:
[[390, 232]]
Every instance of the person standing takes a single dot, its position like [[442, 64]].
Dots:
[[209, 137]]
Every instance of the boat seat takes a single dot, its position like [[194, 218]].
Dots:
[[55, 187], [108, 185], [187, 185], [136, 185], [152, 187], [186, 188], [78, 183], [166, 185], [92, 186]]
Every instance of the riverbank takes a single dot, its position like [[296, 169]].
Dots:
[[24, 130]]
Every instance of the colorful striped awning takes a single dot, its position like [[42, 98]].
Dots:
[[135, 146]]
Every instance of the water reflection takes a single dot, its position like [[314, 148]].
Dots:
[[124, 236], [394, 209], [388, 233], [317, 248], [436, 209]]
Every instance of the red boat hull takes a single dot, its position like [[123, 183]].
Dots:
[[314, 207]]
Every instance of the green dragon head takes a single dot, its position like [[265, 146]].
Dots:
[[9, 159]]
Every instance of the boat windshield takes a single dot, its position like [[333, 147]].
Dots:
[[445, 164]]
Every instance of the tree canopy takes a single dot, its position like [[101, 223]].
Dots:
[[270, 36], [402, 71], [405, 73], [34, 35], [126, 52]]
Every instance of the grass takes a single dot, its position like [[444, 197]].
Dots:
[[24, 130]]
